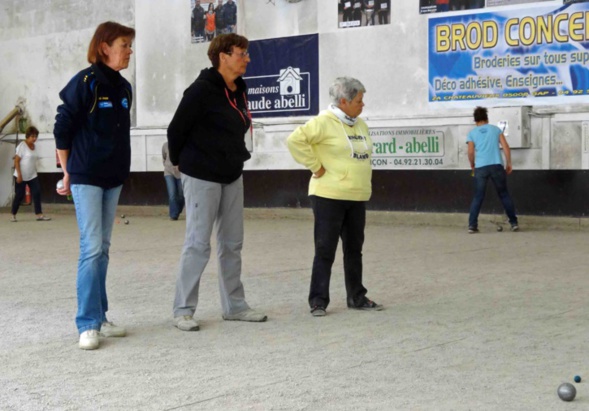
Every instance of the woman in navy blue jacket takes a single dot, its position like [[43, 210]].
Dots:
[[92, 136]]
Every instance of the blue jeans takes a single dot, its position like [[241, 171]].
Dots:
[[498, 176], [335, 219], [175, 196], [95, 212], [200, 35]]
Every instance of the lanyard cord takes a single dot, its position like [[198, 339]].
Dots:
[[233, 104], [350, 141]]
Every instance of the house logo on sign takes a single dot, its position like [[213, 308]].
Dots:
[[286, 92], [290, 81]]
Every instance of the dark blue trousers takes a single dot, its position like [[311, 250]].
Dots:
[[19, 194], [498, 176]]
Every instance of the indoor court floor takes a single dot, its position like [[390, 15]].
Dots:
[[489, 321]]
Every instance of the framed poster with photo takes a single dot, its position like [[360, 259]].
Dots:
[[441, 6], [363, 13], [209, 18]]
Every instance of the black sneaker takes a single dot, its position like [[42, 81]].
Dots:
[[514, 227], [473, 230], [318, 311], [366, 305]]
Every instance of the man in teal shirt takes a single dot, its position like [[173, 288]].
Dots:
[[485, 160]]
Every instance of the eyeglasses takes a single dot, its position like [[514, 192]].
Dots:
[[242, 54]]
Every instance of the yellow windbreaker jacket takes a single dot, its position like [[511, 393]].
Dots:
[[345, 153]]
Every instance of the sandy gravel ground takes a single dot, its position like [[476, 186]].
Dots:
[[493, 321]]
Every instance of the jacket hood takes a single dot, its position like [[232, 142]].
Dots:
[[212, 75]]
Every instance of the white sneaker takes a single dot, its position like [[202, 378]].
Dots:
[[109, 329], [186, 323], [89, 340], [247, 315]]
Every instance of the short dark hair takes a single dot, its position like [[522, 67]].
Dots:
[[106, 32], [480, 114], [224, 43], [31, 131]]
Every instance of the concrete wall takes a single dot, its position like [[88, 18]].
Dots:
[[42, 44]]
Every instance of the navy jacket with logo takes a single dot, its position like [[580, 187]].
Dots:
[[94, 123]]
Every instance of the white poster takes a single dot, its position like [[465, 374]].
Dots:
[[413, 148]]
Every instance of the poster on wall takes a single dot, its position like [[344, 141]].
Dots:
[[363, 13], [413, 148], [497, 3], [209, 18], [441, 6], [526, 54], [283, 76]]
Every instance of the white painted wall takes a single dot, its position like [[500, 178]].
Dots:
[[43, 44]]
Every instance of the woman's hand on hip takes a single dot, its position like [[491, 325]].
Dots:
[[319, 173]]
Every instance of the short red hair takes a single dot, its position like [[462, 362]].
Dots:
[[107, 33]]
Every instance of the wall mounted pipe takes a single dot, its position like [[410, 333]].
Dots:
[[17, 110]]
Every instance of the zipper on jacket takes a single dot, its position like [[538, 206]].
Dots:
[[95, 99]]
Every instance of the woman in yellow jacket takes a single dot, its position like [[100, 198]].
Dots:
[[336, 147]]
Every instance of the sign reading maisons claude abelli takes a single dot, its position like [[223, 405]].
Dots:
[[283, 76]]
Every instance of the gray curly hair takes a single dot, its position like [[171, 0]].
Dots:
[[345, 87]]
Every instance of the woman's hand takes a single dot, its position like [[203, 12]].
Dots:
[[319, 173], [65, 190]]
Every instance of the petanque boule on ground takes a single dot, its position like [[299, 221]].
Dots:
[[567, 391]]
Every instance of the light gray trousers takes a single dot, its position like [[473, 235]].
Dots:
[[211, 205]]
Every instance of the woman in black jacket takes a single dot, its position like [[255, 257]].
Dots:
[[206, 141]]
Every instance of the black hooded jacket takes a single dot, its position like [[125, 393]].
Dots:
[[206, 136]]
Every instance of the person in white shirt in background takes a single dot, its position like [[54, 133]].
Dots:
[[25, 173]]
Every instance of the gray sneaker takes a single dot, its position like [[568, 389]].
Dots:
[[318, 311], [186, 323], [365, 305], [109, 329], [247, 315], [514, 227]]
